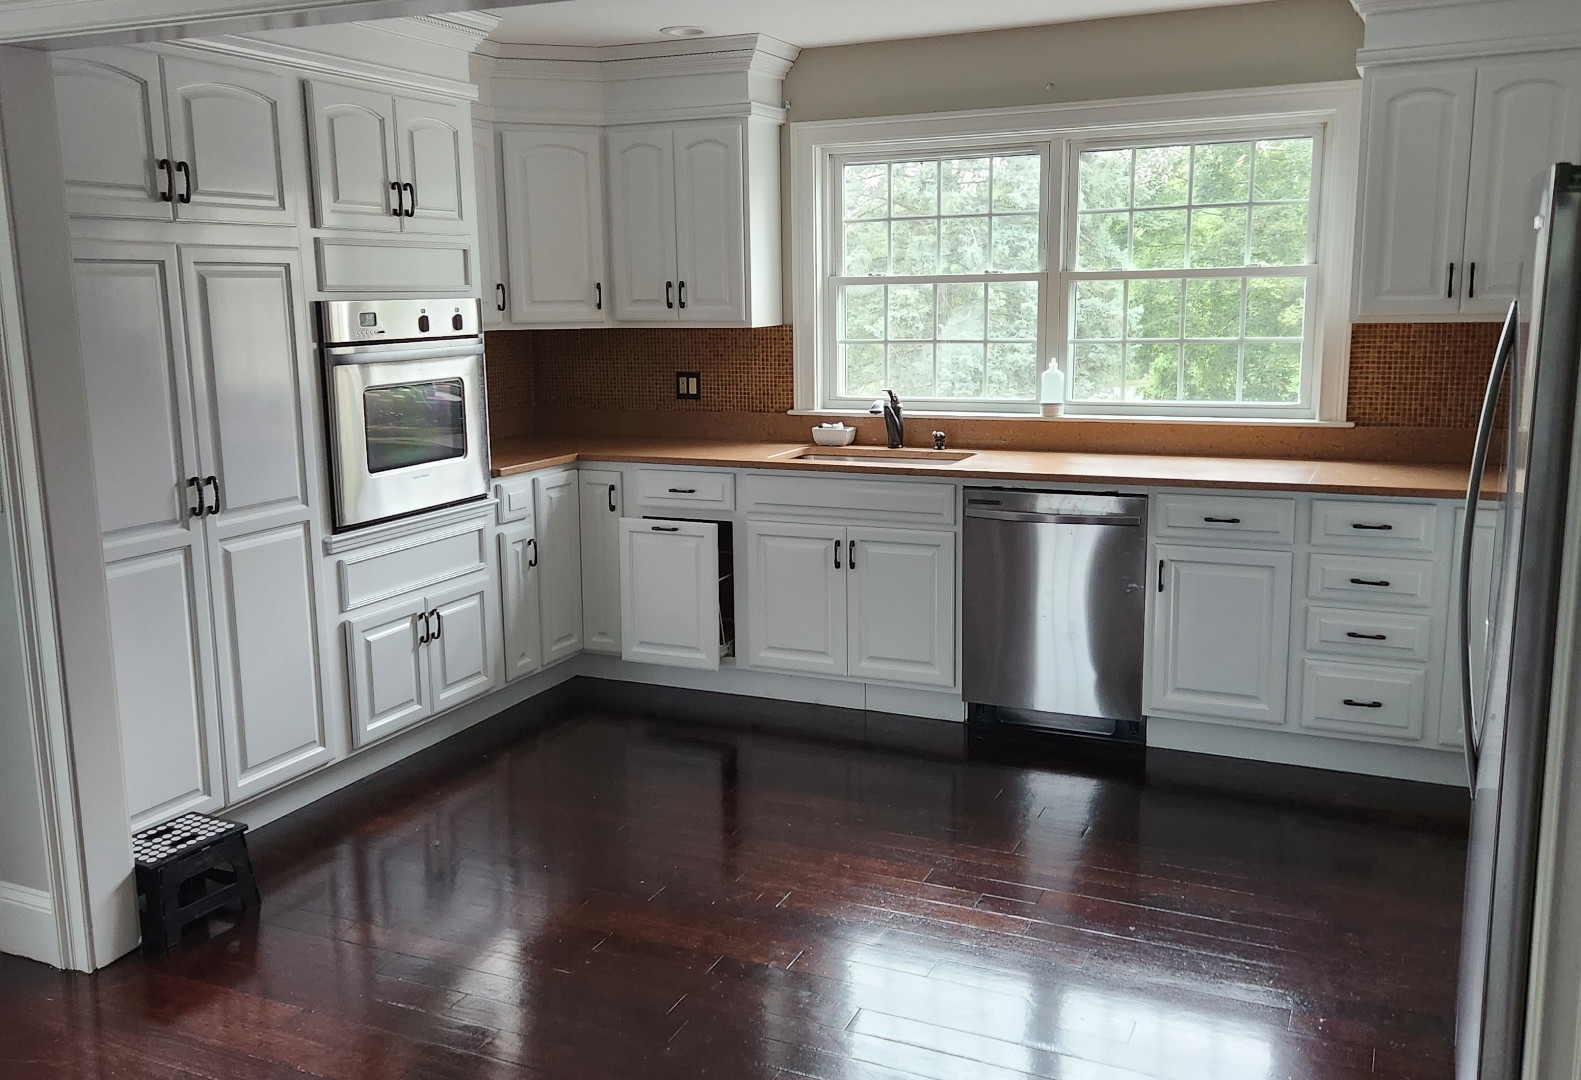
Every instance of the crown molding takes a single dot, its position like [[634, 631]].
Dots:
[[324, 65], [1365, 8], [760, 48], [1463, 50], [464, 30]]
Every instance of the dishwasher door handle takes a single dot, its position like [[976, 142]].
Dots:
[[1058, 519]]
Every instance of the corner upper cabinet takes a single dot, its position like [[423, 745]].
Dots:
[[554, 226]]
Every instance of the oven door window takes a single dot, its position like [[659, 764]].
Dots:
[[414, 423]]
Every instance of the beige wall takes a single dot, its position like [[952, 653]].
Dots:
[[1279, 42]]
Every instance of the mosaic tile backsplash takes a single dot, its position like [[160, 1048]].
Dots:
[[1412, 375]]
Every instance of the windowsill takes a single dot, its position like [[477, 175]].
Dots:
[[1090, 418]]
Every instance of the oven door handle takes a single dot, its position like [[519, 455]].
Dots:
[[387, 354]]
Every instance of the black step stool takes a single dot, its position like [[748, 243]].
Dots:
[[189, 867]]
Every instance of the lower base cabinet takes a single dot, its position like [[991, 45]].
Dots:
[[669, 592], [520, 588]]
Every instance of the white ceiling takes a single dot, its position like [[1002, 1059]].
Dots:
[[807, 23]]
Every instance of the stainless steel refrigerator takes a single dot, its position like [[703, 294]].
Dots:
[[1525, 451]]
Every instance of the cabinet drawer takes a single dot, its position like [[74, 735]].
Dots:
[[1395, 526], [1202, 517], [1378, 634], [515, 496], [1361, 578], [887, 501], [412, 563], [1361, 699], [686, 487]]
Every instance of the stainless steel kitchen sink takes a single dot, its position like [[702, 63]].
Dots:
[[873, 455]]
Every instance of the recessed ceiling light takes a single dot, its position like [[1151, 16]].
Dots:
[[683, 31]]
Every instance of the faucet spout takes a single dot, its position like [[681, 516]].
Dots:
[[894, 419]]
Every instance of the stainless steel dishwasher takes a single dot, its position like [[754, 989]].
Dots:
[[1052, 603]]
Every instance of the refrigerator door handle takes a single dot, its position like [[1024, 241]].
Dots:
[[1479, 464]]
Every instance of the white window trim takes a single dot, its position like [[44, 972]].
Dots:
[[1331, 108]]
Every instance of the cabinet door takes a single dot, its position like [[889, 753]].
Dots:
[[353, 151], [796, 610], [554, 225], [558, 520], [461, 654], [1221, 634], [900, 589], [236, 132], [389, 670], [600, 506], [710, 226], [1528, 116], [485, 171], [669, 592], [519, 589], [434, 138], [642, 221], [112, 133], [1414, 190]]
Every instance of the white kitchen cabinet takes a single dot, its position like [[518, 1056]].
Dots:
[[554, 225], [557, 515], [1220, 634], [901, 594], [642, 222], [388, 163], [520, 588], [170, 138], [710, 239], [796, 597], [669, 592], [1456, 158], [491, 260], [461, 663], [600, 503], [388, 669]]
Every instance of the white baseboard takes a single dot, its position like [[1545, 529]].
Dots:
[[27, 924], [1312, 751]]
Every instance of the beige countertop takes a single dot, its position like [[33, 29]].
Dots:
[[519, 455]]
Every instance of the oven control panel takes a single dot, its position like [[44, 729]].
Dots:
[[351, 322]]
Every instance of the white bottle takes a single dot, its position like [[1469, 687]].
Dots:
[[1053, 396]]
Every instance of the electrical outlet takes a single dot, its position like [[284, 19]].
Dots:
[[688, 385]]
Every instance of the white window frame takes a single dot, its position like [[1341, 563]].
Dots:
[[1329, 111]]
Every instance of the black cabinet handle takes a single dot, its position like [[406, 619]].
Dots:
[[1378, 584], [422, 638], [411, 208], [532, 542], [1376, 527], [683, 491], [395, 186], [669, 294], [499, 295], [212, 481], [850, 554], [666, 528], [186, 173], [837, 554], [195, 487], [681, 292], [1449, 293], [1471, 282], [1363, 704], [1222, 521], [612, 498], [1160, 575], [169, 194], [598, 296], [439, 624], [1366, 637]]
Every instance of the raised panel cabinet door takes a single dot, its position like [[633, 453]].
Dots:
[[265, 591], [796, 597], [669, 592], [1528, 116], [642, 222], [1221, 634], [485, 173], [234, 133], [1413, 216], [557, 517], [462, 653], [141, 416], [388, 664], [554, 225], [111, 114], [710, 223], [519, 586], [600, 506], [353, 152], [900, 591], [436, 161], [164, 682]]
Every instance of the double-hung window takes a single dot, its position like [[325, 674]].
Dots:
[[1172, 267]]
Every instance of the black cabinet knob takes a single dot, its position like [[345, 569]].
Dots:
[[455, 321], [422, 324]]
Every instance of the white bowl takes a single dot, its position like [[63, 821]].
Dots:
[[830, 436]]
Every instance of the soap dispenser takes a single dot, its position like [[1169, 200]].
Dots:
[[1053, 394]]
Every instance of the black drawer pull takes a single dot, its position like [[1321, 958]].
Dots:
[[683, 491], [1374, 584], [1222, 521], [666, 528], [1366, 637], [1363, 704], [1379, 527]]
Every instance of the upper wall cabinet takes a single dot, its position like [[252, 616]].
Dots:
[[1456, 159], [486, 172], [554, 225], [389, 164], [166, 138]]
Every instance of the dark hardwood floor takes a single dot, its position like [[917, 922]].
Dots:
[[616, 897]]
